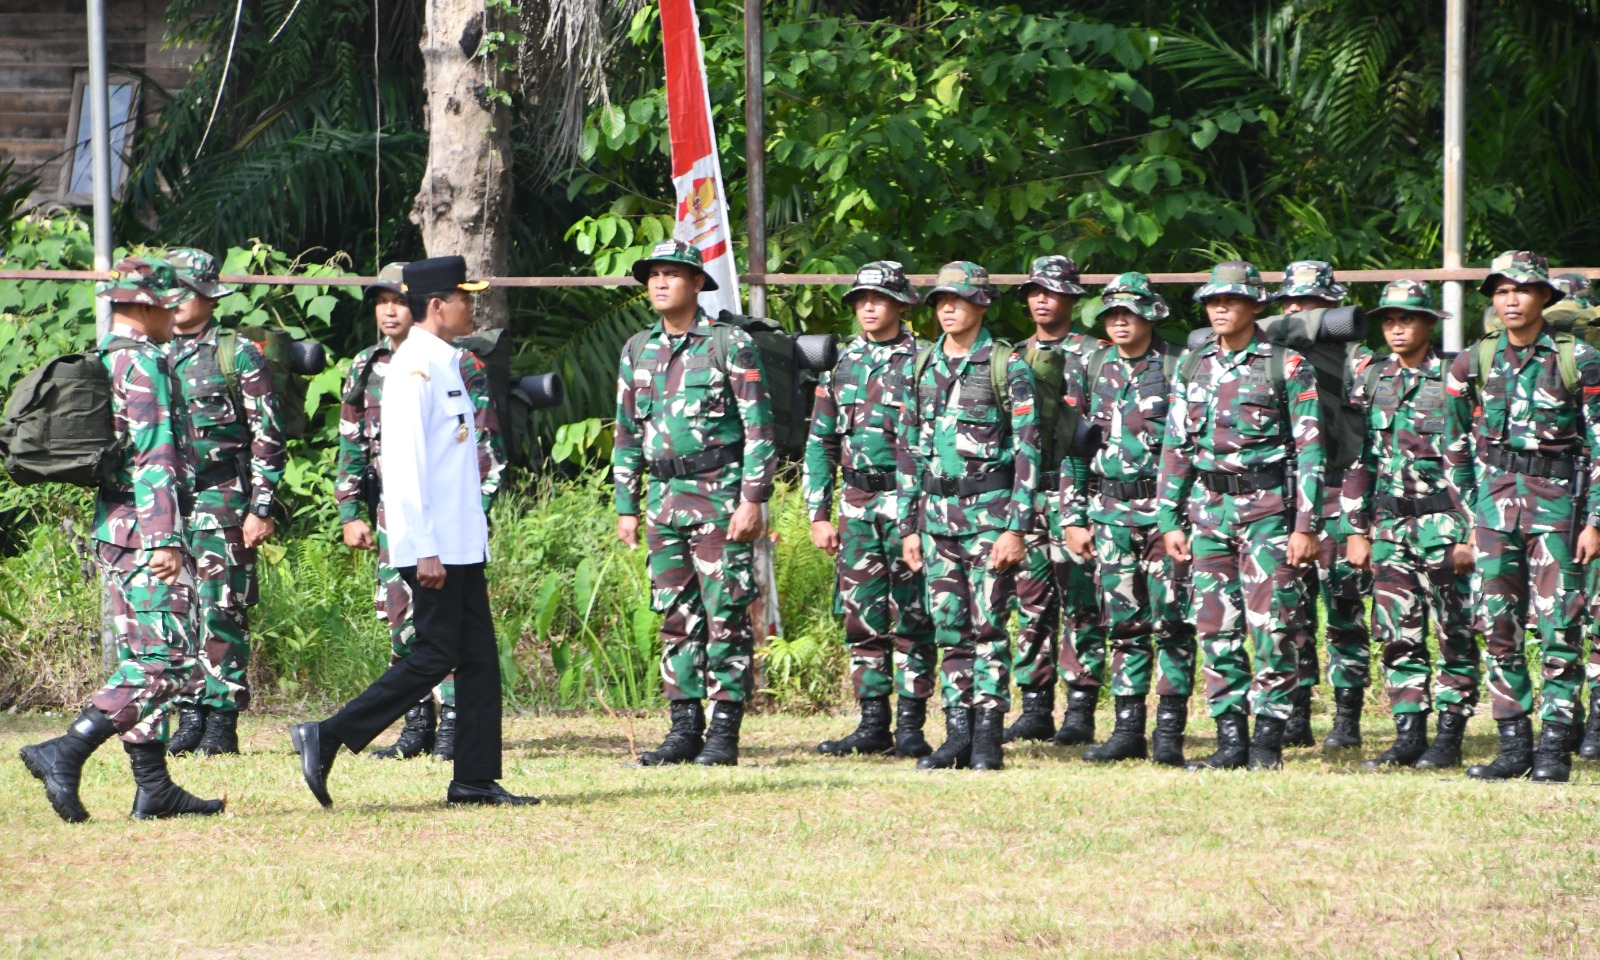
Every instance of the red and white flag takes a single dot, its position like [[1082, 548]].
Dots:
[[696, 171]]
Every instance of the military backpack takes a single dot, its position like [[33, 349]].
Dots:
[[288, 359], [58, 426]]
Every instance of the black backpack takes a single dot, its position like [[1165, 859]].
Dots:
[[58, 426]]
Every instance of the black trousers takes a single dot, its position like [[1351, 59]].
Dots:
[[454, 632]]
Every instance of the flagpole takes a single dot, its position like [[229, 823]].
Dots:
[[755, 148]]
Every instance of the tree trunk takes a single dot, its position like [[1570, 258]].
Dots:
[[466, 190]]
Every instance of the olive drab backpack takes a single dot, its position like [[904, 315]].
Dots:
[[1481, 359], [997, 371], [277, 346], [58, 426]]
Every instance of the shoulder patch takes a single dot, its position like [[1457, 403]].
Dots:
[[1307, 395], [746, 357], [1291, 364]]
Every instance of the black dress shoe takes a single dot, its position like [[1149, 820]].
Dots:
[[488, 793], [306, 738]]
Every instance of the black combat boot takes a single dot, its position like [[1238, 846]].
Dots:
[[1172, 716], [416, 737], [1127, 737], [1078, 725], [1233, 746], [191, 727], [1552, 761], [871, 735], [1410, 742], [1445, 753], [444, 739], [1590, 748], [1346, 732], [59, 762], [722, 737], [1575, 731], [684, 741], [988, 731], [910, 715], [1297, 732], [1266, 747], [1516, 753], [956, 751], [1038, 718], [222, 734], [156, 796]]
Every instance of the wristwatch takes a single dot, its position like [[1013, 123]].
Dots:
[[262, 510]]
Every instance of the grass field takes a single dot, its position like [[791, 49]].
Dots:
[[796, 855]]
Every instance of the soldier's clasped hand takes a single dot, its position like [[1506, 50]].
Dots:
[[166, 563]]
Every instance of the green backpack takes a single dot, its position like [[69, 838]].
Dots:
[[997, 371], [58, 426], [277, 346], [1481, 359]]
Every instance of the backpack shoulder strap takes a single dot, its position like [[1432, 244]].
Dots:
[[1372, 374], [1481, 359], [635, 347], [1097, 362], [228, 360], [1567, 361], [1276, 362], [721, 343], [999, 361], [920, 365], [118, 343], [1191, 363]]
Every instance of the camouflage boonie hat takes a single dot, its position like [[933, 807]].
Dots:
[[391, 278], [147, 280], [198, 271], [1520, 267], [673, 251], [1055, 273], [966, 280], [886, 277], [1131, 291], [1310, 278], [1406, 296], [1575, 286], [1238, 278]]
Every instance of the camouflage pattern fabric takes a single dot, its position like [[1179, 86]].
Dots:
[[1402, 457], [1230, 418], [1523, 523], [677, 403], [969, 604], [856, 423]]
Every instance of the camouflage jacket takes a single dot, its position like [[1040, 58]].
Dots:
[[679, 402], [1230, 419], [955, 428], [1525, 409], [248, 440], [156, 463], [1129, 402], [491, 445], [857, 421], [1402, 454]]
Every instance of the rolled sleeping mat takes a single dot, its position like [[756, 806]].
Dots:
[[816, 351], [307, 358], [542, 390]]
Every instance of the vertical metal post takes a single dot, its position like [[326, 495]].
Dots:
[[755, 149], [100, 149], [1455, 123]]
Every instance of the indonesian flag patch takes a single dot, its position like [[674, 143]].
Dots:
[[752, 376], [1308, 395]]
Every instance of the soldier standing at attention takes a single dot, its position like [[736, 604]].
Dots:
[[969, 467], [1051, 578], [857, 422], [1525, 403], [1408, 529], [693, 410], [1243, 412], [1125, 390], [237, 442], [138, 545]]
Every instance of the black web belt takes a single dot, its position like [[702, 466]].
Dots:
[[1141, 489], [702, 462], [967, 486], [872, 481], [1412, 506], [1531, 464], [1240, 483], [216, 476]]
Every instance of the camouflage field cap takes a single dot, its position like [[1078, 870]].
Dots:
[[1055, 273], [1311, 278], [1238, 278], [1520, 267], [1406, 296], [1131, 291], [673, 251], [199, 271], [966, 280], [1577, 287], [391, 278], [886, 277], [147, 280]]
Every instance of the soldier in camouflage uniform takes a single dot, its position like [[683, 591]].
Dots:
[[1125, 391], [856, 422], [1244, 419], [237, 442], [1408, 529], [1520, 429], [1058, 615], [139, 546], [692, 409], [968, 475]]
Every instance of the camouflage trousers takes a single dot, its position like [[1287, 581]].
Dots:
[[1060, 631], [969, 604], [1413, 585], [225, 590], [1522, 576], [885, 612], [1591, 580], [1244, 587], [702, 584], [1343, 590], [156, 645], [393, 604], [1144, 592]]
